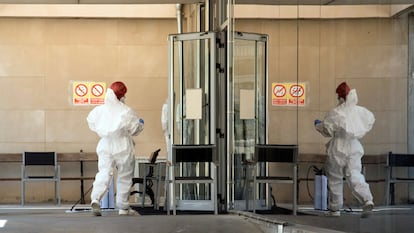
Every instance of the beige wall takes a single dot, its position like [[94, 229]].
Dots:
[[40, 57], [369, 54], [38, 60]]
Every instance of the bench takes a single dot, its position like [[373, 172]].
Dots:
[[396, 160], [80, 157], [62, 157], [367, 160], [78, 178], [303, 159]]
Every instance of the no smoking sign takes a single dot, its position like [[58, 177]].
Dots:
[[81, 90], [97, 90], [297, 90], [97, 93], [88, 93], [288, 94], [279, 90]]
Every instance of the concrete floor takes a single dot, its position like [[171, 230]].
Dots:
[[53, 219], [389, 219]]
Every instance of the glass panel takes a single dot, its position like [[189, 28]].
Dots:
[[261, 84], [192, 107], [244, 78], [249, 108], [318, 47], [191, 74]]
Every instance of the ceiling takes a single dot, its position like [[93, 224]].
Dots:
[[260, 2]]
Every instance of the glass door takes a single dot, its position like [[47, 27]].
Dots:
[[191, 108], [247, 124], [193, 79]]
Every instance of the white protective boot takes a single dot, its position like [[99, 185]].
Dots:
[[96, 208], [128, 212], [367, 209]]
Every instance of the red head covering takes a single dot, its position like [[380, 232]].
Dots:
[[342, 90], [119, 89]]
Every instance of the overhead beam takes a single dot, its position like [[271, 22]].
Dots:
[[315, 12], [399, 10], [169, 11], [88, 11], [99, 1], [323, 2], [237, 2]]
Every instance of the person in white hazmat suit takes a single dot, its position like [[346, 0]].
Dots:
[[164, 123], [115, 123], [345, 124]]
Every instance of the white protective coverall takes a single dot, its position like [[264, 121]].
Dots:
[[164, 123], [115, 123], [346, 123]]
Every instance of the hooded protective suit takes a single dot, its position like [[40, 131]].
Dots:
[[164, 122], [115, 123], [346, 123]]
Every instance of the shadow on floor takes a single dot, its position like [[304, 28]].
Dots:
[[161, 211], [274, 211]]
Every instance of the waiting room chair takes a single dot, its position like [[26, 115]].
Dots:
[[204, 156], [394, 161], [40, 167], [272, 154], [153, 171]]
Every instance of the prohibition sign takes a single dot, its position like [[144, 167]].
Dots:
[[97, 90], [81, 90], [279, 90], [296, 90]]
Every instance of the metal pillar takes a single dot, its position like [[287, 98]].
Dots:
[[410, 99]]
